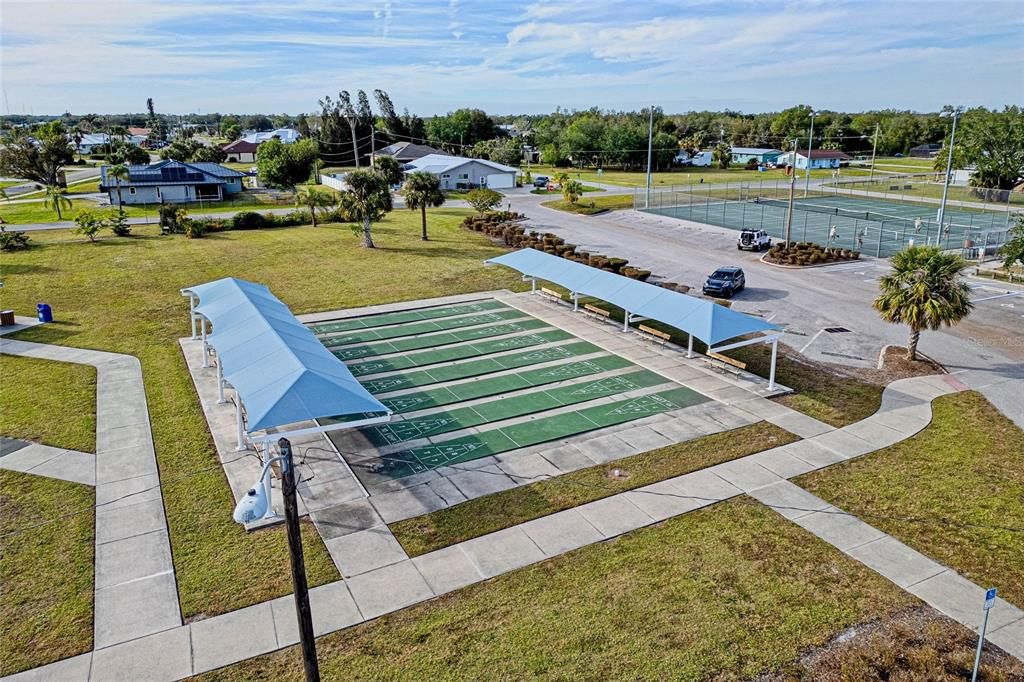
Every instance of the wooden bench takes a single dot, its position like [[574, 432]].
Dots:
[[587, 308], [727, 360], [654, 334], [552, 294]]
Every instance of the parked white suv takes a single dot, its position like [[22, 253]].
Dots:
[[753, 240]]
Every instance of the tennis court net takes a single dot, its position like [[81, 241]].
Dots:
[[838, 212]]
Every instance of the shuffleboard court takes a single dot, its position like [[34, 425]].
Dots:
[[508, 408], [470, 350], [437, 340], [407, 316], [540, 430], [417, 328]]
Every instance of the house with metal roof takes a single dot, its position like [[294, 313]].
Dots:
[[171, 182], [406, 152], [241, 151], [286, 135], [459, 172], [819, 158], [762, 155]]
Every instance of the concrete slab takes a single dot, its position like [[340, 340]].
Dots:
[[661, 501], [812, 452], [29, 457], [477, 483], [567, 458], [838, 528], [128, 492], [347, 517], [780, 463], [131, 610], [897, 562], [644, 438], [678, 430], [800, 424], [876, 434], [405, 504], [365, 550], [70, 465], [704, 486], [74, 669], [960, 599], [528, 467], [789, 500], [118, 523], [131, 436], [744, 474], [502, 551], [127, 462], [133, 558], [164, 656], [332, 606], [232, 637], [605, 449], [561, 532], [448, 569], [614, 515], [844, 443], [1010, 638], [388, 589]]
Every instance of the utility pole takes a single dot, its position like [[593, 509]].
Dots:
[[650, 142], [792, 189], [810, 142], [955, 113], [874, 148], [299, 586]]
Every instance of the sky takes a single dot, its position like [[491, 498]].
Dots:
[[432, 57]]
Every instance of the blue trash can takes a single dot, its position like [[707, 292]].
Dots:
[[44, 312]]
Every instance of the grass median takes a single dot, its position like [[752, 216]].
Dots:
[[726, 592], [48, 402], [954, 492], [593, 205], [487, 514], [122, 295]]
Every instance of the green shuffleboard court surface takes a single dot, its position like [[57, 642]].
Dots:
[[437, 340], [417, 328], [543, 429], [404, 316], [470, 390], [497, 410], [450, 353], [480, 367]]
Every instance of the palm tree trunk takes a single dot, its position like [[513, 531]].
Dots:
[[312, 213], [423, 214], [915, 336], [367, 238]]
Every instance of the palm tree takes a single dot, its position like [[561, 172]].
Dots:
[[367, 199], [314, 199], [924, 290], [423, 189], [57, 198], [119, 173]]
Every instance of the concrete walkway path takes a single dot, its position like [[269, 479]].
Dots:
[[381, 578], [136, 593], [45, 460]]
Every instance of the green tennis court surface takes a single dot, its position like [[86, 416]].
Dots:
[[406, 316], [540, 430], [511, 365], [508, 408], [872, 226], [448, 354]]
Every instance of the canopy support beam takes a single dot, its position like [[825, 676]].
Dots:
[[272, 437], [772, 339]]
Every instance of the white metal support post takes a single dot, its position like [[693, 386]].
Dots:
[[192, 313], [810, 143], [206, 347], [625, 321], [771, 372], [220, 382], [575, 302], [239, 427], [689, 346]]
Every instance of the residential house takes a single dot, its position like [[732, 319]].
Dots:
[[286, 135], [762, 155], [407, 152], [172, 182], [458, 172], [241, 151], [91, 141], [820, 158], [926, 151]]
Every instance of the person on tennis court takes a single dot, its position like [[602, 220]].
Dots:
[[860, 239], [917, 225], [833, 233]]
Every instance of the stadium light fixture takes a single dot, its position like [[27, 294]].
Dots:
[[955, 113]]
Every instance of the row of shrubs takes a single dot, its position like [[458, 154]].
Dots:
[[808, 253], [173, 220], [500, 225]]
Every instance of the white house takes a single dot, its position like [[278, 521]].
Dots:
[[820, 158], [286, 135], [171, 181], [91, 141], [458, 172]]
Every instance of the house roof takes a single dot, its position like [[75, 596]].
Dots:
[[92, 139], [823, 154], [930, 146], [171, 172], [755, 150], [141, 132], [241, 146], [286, 135], [439, 163], [408, 151]]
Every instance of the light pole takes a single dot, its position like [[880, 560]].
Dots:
[[650, 142], [810, 142], [792, 189], [252, 507], [955, 113], [874, 148]]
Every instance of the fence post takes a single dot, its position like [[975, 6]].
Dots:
[[878, 248], [805, 228]]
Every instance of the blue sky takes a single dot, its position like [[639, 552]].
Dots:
[[434, 57]]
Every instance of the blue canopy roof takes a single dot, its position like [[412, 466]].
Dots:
[[282, 373], [703, 319]]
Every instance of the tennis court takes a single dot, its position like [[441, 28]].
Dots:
[[467, 381], [872, 226]]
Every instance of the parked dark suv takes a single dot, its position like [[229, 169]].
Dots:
[[725, 282]]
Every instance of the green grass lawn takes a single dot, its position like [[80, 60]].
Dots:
[[48, 402], [46, 574], [487, 514], [558, 192], [932, 190], [593, 205], [726, 592], [682, 176], [122, 295], [958, 477]]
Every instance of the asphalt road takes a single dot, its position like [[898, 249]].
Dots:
[[986, 351]]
